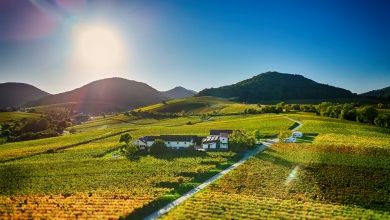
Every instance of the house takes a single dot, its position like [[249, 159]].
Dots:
[[297, 134], [172, 141], [290, 140], [216, 142]]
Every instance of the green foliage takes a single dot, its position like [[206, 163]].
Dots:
[[129, 149], [319, 180], [126, 138], [271, 86], [383, 120], [158, 147], [72, 130], [51, 123], [241, 141], [367, 114], [283, 135]]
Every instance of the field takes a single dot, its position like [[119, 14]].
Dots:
[[14, 116], [77, 175], [199, 105], [335, 176]]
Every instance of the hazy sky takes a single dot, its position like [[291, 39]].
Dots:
[[58, 45]]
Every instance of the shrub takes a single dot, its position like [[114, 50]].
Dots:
[[367, 114], [126, 138], [129, 149], [241, 141], [284, 134], [73, 131], [382, 120], [158, 147]]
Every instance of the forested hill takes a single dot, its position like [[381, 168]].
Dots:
[[379, 94], [277, 86], [178, 92], [106, 95], [17, 94]]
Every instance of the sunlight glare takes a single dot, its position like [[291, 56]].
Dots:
[[98, 48]]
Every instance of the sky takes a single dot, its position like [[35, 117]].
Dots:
[[59, 45]]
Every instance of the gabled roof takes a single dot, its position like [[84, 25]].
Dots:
[[181, 138], [219, 132], [211, 139]]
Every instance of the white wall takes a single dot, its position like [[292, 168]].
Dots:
[[223, 140], [210, 146], [174, 144]]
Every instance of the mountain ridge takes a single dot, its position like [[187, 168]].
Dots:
[[105, 95], [15, 94], [178, 92], [383, 93], [277, 86]]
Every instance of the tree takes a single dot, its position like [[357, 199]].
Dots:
[[241, 141], [367, 114], [383, 120], [129, 148], [296, 107], [126, 138], [348, 112], [158, 147], [284, 134]]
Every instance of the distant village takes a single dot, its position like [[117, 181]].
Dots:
[[217, 139]]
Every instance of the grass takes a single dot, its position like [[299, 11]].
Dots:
[[15, 116], [334, 178], [198, 105], [84, 179]]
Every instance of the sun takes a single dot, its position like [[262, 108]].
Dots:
[[98, 47]]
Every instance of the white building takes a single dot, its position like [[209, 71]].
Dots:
[[215, 142], [297, 134], [290, 140], [171, 141]]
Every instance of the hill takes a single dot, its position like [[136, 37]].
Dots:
[[17, 94], [379, 94], [193, 105], [178, 93], [275, 86], [106, 95]]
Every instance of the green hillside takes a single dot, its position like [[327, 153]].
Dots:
[[275, 86], [198, 105], [15, 116]]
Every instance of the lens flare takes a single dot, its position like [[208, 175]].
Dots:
[[293, 175]]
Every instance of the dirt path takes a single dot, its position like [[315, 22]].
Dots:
[[296, 121]]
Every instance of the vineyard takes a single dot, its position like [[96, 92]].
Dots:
[[76, 175], [328, 178], [12, 116]]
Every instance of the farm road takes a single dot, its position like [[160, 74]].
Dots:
[[264, 145], [296, 121], [186, 196]]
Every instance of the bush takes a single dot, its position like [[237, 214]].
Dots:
[[73, 131], [126, 138], [284, 134], [367, 114], [158, 147], [382, 120], [129, 149], [241, 141]]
